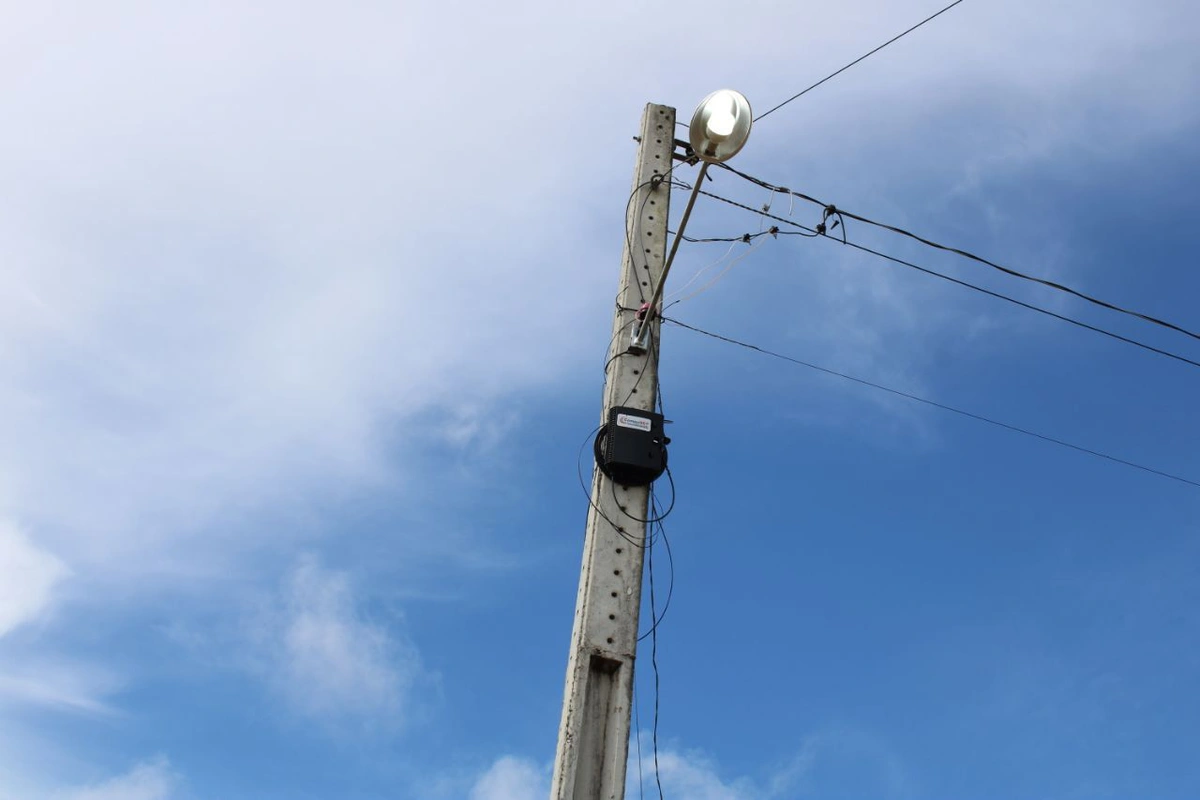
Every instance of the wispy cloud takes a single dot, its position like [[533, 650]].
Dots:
[[689, 774], [511, 778], [843, 761], [152, 780], [28, 576], [58, 686], [832, 763], [222, 293], [321, 652]]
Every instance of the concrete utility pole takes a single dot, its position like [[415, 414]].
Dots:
[[593, 738]]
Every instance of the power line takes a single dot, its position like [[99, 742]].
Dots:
[[966, 254], [712, 281], [659, 617], [857, 60], [935, 404], [902, 262], [745, 238], [654, 641], [637, 722]]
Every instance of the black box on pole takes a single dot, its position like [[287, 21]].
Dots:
[[632, 447]]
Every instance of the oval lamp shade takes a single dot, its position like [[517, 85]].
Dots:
[[720, 126]]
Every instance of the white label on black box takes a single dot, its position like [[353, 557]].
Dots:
[[637, 423]]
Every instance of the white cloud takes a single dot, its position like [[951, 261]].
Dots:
[[832, 763], [691, 775], [252, 257], [511, 779], [328, 659], [843, 762], [153, 780], [56, 686], [683, 774], [28, 576]]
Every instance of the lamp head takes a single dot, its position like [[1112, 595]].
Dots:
[[720, 126]]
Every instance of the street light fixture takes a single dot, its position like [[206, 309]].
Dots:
[[720, 127]]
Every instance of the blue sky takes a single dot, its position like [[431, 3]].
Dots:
[[302, 317]]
